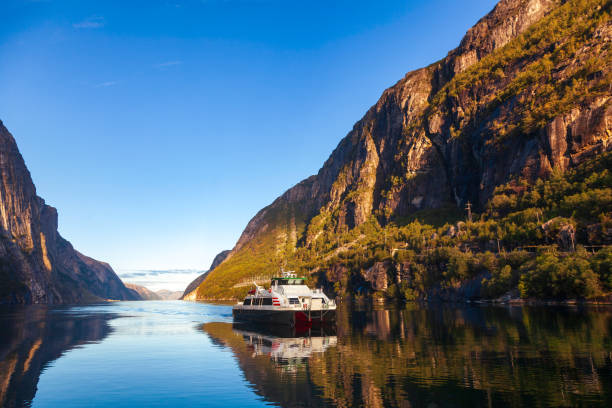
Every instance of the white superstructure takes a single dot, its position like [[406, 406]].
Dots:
[[287, 296]]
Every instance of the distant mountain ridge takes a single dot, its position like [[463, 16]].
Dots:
[[37, 265], [169, 294], [147, 294], [526, 93], [142, 292]]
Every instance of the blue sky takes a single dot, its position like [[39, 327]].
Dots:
[[159, 128]]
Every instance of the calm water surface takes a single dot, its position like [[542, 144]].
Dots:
[[190, 354]]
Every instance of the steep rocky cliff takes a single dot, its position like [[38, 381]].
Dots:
[[37, 265], [526, 93]]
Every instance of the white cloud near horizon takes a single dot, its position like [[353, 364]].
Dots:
[[174, 280], [168, 64], [90, 22], [105, 84]]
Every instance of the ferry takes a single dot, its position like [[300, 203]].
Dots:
[[288, 302]]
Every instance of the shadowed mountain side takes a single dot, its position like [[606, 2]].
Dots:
[[31, 338], [37, 265]]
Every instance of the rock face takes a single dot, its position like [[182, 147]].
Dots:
[[37, 265], [376, 276], [219, 258], [526, 92]]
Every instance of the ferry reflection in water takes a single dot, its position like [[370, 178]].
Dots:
[[433, 356], [286, 346], [277, 361]]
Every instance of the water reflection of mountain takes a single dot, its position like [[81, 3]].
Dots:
[[33, 336], [276, 361], [439, 356]]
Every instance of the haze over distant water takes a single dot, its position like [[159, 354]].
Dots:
[[174, 280]]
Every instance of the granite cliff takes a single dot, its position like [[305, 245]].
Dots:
[[524, 95], [37, 265]]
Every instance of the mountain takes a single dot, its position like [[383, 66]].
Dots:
[[165, 294], [522, 102], [142, 292], [37, 265], [147, 294], [219, 258]]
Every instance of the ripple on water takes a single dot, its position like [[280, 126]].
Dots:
[[181, 354]]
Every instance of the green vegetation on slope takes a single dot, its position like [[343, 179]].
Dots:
[[545, 72], [261, 257], [496, 246], [518, 242], [530, 237]]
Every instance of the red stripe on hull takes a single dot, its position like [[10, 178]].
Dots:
[[292, 318], [301, 319]]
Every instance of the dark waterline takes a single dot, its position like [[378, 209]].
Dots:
[[190, 354]]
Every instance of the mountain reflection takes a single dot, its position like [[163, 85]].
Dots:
[[433, 356], [33, 336]]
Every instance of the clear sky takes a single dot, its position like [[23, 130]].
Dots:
[[159, 128]]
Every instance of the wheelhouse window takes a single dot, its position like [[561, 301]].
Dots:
[[294, 301], [247, 301], [293, 281], [267, 301]]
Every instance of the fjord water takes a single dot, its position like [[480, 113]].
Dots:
[[190, 354]]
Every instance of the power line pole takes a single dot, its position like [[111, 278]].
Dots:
[[468, 208]]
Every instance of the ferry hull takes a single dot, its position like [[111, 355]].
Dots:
[[293, 318]]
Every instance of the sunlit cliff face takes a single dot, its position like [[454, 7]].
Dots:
[[524, 93]]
